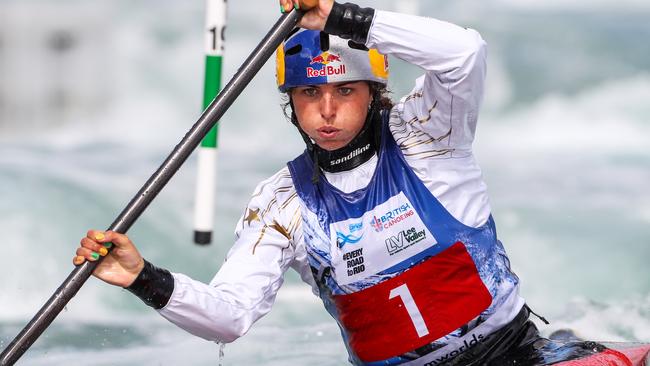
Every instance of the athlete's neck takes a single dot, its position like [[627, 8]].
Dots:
[[358, 151]]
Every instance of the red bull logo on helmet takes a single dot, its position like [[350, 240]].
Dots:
[[323, 60]]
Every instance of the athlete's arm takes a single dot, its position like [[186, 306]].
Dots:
[[241, 292], [245, 286], [442, 108]]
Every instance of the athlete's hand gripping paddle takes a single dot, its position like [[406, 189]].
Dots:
[[158, 180]]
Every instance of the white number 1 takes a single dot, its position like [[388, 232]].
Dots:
[[412, 309]]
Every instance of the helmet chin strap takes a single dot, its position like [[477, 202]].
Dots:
[[362, 147]]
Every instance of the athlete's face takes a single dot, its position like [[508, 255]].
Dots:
[[332, 114]]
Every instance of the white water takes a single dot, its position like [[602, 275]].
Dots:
[[564, 141]]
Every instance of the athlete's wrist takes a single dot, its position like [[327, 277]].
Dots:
[[349, 21], [153, 285]]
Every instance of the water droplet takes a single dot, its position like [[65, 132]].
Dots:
[[222, 346]]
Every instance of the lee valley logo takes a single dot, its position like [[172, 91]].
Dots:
[[404, 239]]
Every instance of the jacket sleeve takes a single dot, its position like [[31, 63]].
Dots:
[[245, 287], [439, 115]]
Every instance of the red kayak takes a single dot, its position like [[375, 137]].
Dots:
[[617, 354]]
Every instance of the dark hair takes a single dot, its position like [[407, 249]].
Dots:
[[375, 89]]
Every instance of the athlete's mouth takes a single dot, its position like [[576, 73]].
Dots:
[[328, 131]]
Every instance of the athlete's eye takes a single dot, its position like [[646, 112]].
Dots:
[[310, 92], [345, 91]]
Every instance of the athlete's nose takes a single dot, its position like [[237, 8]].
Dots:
[[328, 106]]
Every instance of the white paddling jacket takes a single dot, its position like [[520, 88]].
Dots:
[[402, 249]]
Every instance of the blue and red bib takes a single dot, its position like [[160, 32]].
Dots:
[[403, 278]]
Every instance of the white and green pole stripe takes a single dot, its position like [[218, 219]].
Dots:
[[215, 25]]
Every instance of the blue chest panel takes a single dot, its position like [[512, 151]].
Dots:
[[370, 211]]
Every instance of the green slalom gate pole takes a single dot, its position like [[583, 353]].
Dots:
[[139, 203], [206, 179]]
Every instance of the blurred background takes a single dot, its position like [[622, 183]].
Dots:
[[94, 95]]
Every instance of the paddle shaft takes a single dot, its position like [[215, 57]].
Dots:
[[155, 184]]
